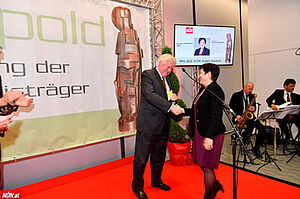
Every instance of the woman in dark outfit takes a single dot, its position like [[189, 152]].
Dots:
[[206, 122]]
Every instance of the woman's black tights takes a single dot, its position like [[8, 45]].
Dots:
[[209, 180]]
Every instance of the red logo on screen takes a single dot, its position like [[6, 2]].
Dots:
[[189, 30]]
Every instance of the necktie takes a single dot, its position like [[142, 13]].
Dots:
[[288, 99], [246, 101], [164, 83]]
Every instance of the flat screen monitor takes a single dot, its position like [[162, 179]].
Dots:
[[197, 45]]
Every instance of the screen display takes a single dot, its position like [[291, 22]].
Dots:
[[197, 45]]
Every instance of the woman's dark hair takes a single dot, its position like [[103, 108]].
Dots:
[[213, 69], [201, 39], [289, 81]]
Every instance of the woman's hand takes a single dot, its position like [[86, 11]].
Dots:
[[4, 121], [12, 95], [208, 144]]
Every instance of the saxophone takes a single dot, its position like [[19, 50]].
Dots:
[[247, 113]]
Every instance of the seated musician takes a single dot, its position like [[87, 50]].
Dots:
[[243, 103], [281, 96]]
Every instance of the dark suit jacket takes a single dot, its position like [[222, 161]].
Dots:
[[237, 102], [1, 91], [153, 113], [209, 112], [278, 99], [206, 51], [1, 95]]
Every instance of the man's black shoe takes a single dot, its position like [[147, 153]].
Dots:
[[162, 186], [256, 152], [140, 194]]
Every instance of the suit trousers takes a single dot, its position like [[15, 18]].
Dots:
[[149, 145], [283, 124], [261, 135]]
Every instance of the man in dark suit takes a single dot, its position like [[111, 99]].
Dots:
[[281, 96], [202, 50], [153, 124], [239, 102]]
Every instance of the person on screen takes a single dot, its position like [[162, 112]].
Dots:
[[202, 50], [206, 124], [153, 124], [281, 96]]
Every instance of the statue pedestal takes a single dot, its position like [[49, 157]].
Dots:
[[125, 126]]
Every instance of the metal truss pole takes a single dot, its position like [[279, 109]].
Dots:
[[157, 30]]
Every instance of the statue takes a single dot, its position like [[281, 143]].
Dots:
[[129, 68], [228, 48]]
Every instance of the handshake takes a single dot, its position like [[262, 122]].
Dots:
[[15, 97], [177, 110], [12, 98]]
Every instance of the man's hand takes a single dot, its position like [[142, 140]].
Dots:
[[174, 97], [252, 108], [24, 102], [4, 121], [274, 107], [239, 118], [176, 109]]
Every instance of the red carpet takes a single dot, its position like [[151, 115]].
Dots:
[[113, 180]]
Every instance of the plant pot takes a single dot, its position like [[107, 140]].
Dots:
[[179, 153]]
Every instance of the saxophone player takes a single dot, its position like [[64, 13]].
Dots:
[[240, 102]]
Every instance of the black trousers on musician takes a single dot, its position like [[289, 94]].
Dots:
[[261, 134], [294, 119]]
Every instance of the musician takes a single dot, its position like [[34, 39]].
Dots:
[[281, 96], [240, 102]]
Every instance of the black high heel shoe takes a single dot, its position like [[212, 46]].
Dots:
[[217, 188]]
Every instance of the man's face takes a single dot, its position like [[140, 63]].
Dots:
[[248, 88], [165, 67], [290, 87], [1, 55]]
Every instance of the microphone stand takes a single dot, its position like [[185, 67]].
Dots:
[[236, 137]]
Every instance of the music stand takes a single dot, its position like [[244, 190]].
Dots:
[[271, 114], [242, 153]]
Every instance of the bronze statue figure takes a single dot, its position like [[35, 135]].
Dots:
[[228, 48], [129, 68]]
